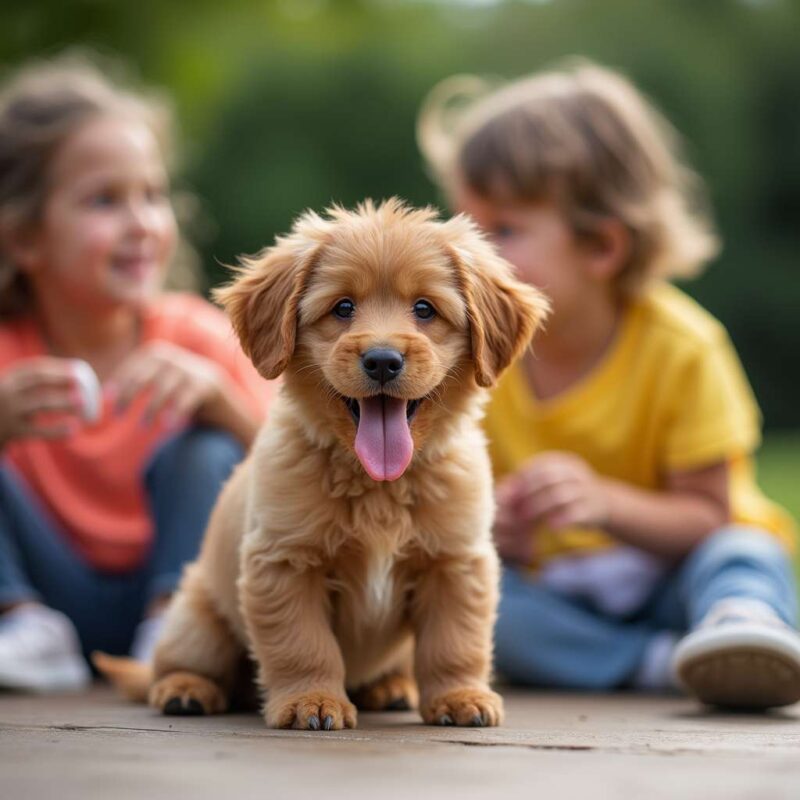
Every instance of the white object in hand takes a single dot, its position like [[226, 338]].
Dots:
[[89, 388]]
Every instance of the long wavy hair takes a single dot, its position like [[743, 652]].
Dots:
[[41, 105]]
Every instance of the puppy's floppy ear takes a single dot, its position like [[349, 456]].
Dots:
[[504, 313], [262, 300]]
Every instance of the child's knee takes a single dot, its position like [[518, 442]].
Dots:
[[738, 544], [216, 445], [200, 448]]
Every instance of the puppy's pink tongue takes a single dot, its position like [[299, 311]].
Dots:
[[383, 441]]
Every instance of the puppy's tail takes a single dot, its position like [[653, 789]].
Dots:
[[132, 678]]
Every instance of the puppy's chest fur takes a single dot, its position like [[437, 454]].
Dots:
[[368, 595], [373, 541], [370, 574]]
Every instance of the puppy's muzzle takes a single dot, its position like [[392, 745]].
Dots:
[[382, 364]]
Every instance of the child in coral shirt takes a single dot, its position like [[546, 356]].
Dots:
[[100, 505]]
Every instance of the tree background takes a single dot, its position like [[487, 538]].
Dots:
[[291, 104]]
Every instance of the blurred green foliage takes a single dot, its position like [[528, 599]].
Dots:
[[778, 471], [295, 104], [779, 468]]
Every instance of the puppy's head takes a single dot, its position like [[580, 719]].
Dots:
[[384, 320]]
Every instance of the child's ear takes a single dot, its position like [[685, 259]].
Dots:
[[262, 300], [21, 243], [504, 313], [608, 248]]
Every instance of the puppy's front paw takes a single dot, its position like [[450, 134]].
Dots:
[[187, 694], [471, 707], [312, 711]]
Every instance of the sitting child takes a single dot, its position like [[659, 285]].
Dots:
[[638, 550], [102, 498]]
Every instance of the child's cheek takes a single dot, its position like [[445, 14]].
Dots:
[[101, 237], [519, 257], [169, 239]]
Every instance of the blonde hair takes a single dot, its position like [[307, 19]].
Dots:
[[41, 106], [583, 136]]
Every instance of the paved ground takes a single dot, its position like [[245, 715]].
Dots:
[[552, 746]]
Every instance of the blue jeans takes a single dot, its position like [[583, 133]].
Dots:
[[545, 639], [37, 562]]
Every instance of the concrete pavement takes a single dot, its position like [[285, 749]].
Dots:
[[552, 746]]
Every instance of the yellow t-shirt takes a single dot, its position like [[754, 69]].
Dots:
[[669, 395]]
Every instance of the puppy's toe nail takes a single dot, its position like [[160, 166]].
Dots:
[[399, 704], [313, 723], [193, 707], [173, 706], [327, 723], [477, 721], [183, 707], [446, 719]]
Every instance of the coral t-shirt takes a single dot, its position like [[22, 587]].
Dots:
[[91, 483]]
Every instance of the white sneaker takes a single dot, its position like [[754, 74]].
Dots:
[[742, 655], [40, 651]]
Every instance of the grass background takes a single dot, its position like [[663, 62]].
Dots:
[[779, 473], [779, 470]]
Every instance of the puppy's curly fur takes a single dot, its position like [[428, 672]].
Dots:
[[338, 585]]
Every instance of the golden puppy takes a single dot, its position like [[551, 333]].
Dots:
[[351, 553]]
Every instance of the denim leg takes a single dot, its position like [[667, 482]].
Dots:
[[182, 483], [738, 562], [544, 639], [37, 562], [19, 512]]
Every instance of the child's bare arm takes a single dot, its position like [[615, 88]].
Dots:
[[184, 384], [227, 410], [562, 491], [670, 522]]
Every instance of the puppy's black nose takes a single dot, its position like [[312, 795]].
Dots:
[[382, 364]]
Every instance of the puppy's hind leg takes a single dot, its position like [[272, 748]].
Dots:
[[391, 692], [395, 690], [197, 658]]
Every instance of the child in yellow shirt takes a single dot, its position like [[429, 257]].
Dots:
[[638, 550]]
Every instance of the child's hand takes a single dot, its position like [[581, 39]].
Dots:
[[181, 382], [560, 490], [512, 535], [31, 391]]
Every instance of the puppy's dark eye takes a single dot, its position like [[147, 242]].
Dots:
[[424, 310], [344, 309]]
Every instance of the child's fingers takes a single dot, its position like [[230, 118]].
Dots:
[[166, 392], [69, 402], [134, 378], [34, 377], [516, 487], [59, 430], [506, 487], [549, 467], [503, 516], [542, 477], [183, 406], [514, 546], [542, 504], [569, 516], [541, 488]]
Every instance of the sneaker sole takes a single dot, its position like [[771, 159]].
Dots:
[[740, 669]]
